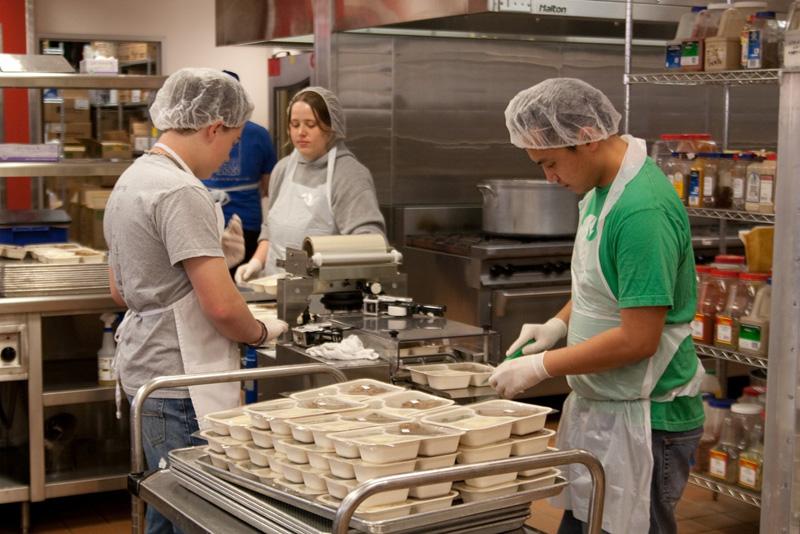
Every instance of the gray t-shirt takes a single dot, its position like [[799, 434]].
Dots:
[[354, 203], [157, 216]]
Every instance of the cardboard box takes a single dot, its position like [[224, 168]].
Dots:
[[78, 94], [91, 230], [104, 48], [74, 151], [139, 128], [94, 197], [103, 65], [137, 51], [75, 110], [74, 131], [115, 135], [132, 96], [109, 149]]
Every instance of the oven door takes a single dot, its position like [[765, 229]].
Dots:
[[511, 308]]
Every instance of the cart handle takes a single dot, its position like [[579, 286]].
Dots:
[[461, 472], [199, 379]]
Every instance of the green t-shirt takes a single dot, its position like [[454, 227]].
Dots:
[[647, 259]]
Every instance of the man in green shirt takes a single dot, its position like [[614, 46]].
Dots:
[[629, 358]]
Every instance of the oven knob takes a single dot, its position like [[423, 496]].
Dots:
[[8, 354]]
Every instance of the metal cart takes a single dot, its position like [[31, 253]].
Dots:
[[183, 493]]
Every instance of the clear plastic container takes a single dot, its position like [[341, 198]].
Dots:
[[746, 415], [738, 173], [696, 184], [710, 178], [677, 170], [760, 189], [763, 38], [725, 187], [729, 262], [711, 299], [751, 461], [724, 456], [736, 300], [754, 327], [715, 412]]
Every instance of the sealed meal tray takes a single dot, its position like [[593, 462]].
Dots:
[[365, 388], [274, 415], [528, 418]]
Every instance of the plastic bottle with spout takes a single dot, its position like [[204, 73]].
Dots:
[[754, 328], [106, 376]]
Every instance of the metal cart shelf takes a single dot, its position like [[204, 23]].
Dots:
[[732, 215], [37, 80], [740, 494], [731, 355], [65, 168], [728, 77]]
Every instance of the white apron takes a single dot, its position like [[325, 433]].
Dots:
[[203, 349], [299, 211], [608, 413]]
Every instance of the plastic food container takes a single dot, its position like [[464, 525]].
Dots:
[[275, 462], [490, 480], [341, 467], [435, 462], [216, 441], [413, 403], [217, 459], [435, 440], [237, 451], [541, 480], [301, 428], [313, 478], [367, 471], [290, 471], [274, 415], [362, 389], [339, 489], [486, 453], [372, 513], [433, 504], [473, 494], [440, 488], [296, 487], [528, 418], [342, 422], [266, 475], [262, 438], [243, 468], [318, 460], [220, 422], [259, 456], [439, 376], [376, 446], [532, 443], [479, 429], [298, 452], [479, 372]]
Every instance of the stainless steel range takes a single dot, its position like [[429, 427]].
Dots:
[[494, 282]]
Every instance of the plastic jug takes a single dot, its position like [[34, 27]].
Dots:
[[754, 328]]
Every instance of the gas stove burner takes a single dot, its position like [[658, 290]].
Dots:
[[550, 267]]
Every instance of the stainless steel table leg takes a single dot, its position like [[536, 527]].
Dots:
[[26, 517]]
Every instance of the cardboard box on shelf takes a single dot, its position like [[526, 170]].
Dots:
[[137, 51], [131, 96], [109, 149], [102, 65], [74, 151], [91, 228], [94, 197], [139, 128], [115, 135], [104, 48], [75, 110], [77, 94], [73, 131]]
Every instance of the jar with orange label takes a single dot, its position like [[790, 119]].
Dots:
[[710, 293], [726, 331]]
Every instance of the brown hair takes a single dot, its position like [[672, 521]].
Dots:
[[317, 105]]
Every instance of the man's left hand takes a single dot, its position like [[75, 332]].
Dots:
[[512, 377], [233, 242]]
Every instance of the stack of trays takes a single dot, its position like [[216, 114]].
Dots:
[[323, 443]]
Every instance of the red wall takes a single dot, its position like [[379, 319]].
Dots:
[[15, 101]]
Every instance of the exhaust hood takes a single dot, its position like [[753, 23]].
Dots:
[[281, 22]]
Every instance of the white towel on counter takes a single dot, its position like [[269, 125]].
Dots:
[[351, 348]]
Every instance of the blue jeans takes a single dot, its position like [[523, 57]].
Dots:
[[167, 424], [672, 454]]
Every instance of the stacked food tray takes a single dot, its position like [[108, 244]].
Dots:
[[31, 278], [312, 449]]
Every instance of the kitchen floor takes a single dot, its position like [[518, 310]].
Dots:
[[109, 513]]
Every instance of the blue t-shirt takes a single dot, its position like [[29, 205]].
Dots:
[[250, 158]]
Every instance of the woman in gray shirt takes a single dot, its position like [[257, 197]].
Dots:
[[319, 189]]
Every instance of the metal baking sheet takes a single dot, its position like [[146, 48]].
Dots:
[[191, 460]]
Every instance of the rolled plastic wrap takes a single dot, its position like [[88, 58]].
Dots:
[[349, 250]]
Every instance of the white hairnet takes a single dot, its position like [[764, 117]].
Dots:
[[560, 112], [334, 109], [193, 98]]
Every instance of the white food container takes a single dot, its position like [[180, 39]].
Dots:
[[532, 443], [302, 428], [541, 480], [360, 389], [313, 478], [298, 452], [339, 489], [479, 430], [528, 418], [441, 502], [274, 415], [485, 453], [440, 488], [220, 421], [419, 373], [480, 372], [435, 462], [381, 513], [300, 488], [262, 438], [533, 472], [341, 467], [275, 462], [217, 459], [365, 471], [413, 403], [259, 456], [318, 460], [216, 441], [490, 480], [237, 451], [246, 469], [375, 445], [266, 475], [290, 471], [448, 379], [473, 494], [317, 392], [435, 440]]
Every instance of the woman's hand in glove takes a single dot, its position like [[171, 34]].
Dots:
[[233, 242], [545, 335], [512, 377], [275, 328], [248, 270]]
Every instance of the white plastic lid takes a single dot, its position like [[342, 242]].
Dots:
[[746, 408], [718, 5], [749, 5]]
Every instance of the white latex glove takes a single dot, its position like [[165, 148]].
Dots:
[[233, 242], [248, 270], [546, 335], [275, 328], [512, 377]]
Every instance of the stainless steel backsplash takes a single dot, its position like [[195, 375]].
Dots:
[[426, 115]]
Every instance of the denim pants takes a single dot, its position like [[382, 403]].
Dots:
[[672, 454], [166, 424]]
